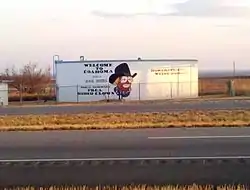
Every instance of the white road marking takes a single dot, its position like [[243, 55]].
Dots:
[[128, 159], [201, 137]]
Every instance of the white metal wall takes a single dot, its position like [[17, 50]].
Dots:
[[4, 94], [78, 82]]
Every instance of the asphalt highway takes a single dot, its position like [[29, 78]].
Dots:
[[120, 108], [128, 144], [155, 156]]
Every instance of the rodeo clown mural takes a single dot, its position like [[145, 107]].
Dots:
[[122, 79]]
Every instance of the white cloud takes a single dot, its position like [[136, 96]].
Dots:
[[210, 8], [134, 7], [214, 8], [236, 3]]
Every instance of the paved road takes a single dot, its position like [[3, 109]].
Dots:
[[219, 155], [119, 108], [126, 143]]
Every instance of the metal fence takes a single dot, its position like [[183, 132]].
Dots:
[[224, 86], [206, 87], [19, 96], [140, 91]]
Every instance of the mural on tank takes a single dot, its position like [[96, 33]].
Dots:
[[122, 79]]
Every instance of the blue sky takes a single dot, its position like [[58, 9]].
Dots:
[[214, 31]]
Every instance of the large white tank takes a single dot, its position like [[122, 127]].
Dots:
[[81, 81], [4, 94]]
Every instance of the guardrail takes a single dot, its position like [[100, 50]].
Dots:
[[120, 171]]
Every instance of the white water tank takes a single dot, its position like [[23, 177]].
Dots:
[[4, 94]]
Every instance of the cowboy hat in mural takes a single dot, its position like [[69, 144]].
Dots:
[[123, 79]]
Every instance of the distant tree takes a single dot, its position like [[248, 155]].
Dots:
[[13, 75], [35, 79], [29, 79]]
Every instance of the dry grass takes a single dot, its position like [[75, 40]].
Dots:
[[126, 120], [141, 187]]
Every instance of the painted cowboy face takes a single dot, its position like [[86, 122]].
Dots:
[[124, 83]]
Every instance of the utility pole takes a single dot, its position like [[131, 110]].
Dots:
[[234, 69], [54, 65]]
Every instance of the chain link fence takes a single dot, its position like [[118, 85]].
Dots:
[[234, 86], [207, 87], [140, 91], [22, 95]]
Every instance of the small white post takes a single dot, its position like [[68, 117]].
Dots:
[[1, 101]]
